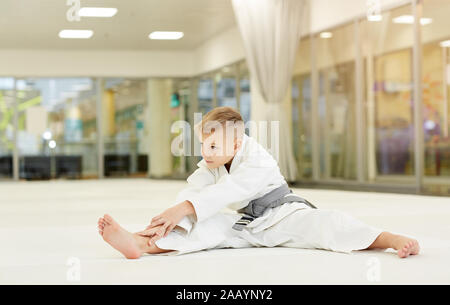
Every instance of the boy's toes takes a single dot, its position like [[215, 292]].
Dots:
[[101, 221], [406, 250], [101, 225], [108, 219], [403, 251]]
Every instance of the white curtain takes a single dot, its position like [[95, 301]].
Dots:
[[270, 30]]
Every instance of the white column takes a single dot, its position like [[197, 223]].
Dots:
[[160, 156]]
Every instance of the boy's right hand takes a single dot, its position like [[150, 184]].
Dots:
[[150, 232], [154, 233]]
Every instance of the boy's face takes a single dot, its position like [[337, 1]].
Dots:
[[217, 150]]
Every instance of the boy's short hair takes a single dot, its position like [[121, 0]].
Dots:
[[225, 116]]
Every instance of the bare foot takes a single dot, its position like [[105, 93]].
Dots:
[[406, 246], [119, 238]]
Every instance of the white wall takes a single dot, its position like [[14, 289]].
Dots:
[[60, 63], [223, 49]]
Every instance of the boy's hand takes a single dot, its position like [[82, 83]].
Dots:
[[162, 224], [151, 232]]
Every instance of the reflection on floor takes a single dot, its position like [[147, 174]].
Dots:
[[47, 228]]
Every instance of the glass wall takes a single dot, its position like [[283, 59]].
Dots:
[[436, 85], [205, 94], [336, 67], [56, 128], [244, 92], [57, 122], [226, 86], [6, 127], [123, 105], [387, 52], [301, 110], [364, 79]]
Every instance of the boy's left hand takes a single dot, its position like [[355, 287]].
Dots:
[[166, 221]]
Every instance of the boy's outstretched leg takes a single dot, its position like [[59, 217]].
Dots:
[[332, 230], [405, 246], [132, 246]]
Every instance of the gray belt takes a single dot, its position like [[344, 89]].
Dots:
[[274, 198]]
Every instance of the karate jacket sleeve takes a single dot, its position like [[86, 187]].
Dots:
[[247, 180]]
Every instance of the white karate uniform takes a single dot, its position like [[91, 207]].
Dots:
[[217, 195]]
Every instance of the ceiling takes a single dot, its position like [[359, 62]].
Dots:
[[35, 24]]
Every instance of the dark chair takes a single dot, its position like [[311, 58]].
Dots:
[[6, 166], [116, 164], [68, 166], [142, 163], [36, 168]]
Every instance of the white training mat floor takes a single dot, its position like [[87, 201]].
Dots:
[[48, 235]]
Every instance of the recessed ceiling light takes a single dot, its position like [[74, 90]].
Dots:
[[76, 34], [326, 35], [445, 44], [409, 19], [165, 35], [97, 11], [375, 18], [425, 21]]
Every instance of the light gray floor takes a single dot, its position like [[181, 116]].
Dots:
[[46, 226]]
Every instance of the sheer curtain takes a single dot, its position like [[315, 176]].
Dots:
[[270, 31]]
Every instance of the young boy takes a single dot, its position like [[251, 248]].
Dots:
[[238, 173]]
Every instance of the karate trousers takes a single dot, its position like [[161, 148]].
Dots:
[[293, 225]]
